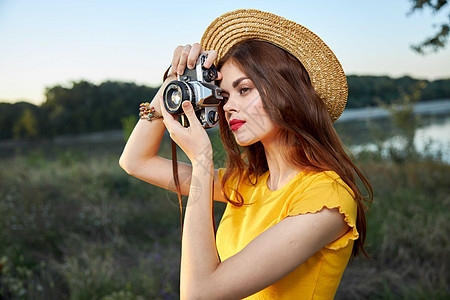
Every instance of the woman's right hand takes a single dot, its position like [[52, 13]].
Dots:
[[183, 56], [186, 56]]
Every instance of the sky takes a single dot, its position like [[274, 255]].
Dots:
[[44, 43]]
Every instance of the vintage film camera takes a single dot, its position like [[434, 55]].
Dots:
[[196, 86]]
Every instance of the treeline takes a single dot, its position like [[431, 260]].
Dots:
[[85, 107], [369, 91]]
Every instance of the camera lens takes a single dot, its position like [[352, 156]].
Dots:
[[174, 95], [174, 98]]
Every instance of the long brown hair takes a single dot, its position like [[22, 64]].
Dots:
[[306, 129]]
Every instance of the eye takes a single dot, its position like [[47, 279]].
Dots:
[[244, 90]]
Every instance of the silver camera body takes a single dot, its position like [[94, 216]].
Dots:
[[196, 86]]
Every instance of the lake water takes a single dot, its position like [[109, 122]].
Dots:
[[362, 128]]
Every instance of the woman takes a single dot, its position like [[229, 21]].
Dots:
[[294, 214]]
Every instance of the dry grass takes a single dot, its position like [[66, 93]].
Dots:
[[75, 226]]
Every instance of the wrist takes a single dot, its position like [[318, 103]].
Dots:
[[203, 162], [148, 112]]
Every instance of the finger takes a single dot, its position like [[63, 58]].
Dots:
[[190, 114], [176, 59], [219, 76], [212, 56], [168, 119], [183, 59], [193, 55]]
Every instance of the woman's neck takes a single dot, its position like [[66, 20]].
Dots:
[[281, 171]]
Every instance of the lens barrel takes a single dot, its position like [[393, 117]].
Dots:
[[174, 94]]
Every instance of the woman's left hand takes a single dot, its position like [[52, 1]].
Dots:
[[193, 140]]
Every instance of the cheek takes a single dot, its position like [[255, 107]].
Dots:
[[260, 108], [265, 122], [261, 112], [253, 106]]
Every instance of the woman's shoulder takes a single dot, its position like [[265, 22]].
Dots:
[[302, 179], [246, 176], [310, 179], [321, 175], [319, 189]]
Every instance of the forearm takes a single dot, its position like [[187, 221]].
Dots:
[[145, 140], [199, 256], [143, 144]]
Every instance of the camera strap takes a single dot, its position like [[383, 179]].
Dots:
[[177, 181]]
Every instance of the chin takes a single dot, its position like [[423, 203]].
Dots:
[[242, 144], [244, 140]]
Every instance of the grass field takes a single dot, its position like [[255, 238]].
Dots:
[[73, 225]]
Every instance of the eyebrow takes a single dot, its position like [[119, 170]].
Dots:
[[237, 81]]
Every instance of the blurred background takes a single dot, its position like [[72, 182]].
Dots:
[[72, 74]]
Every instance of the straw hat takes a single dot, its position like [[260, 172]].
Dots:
[[324, 70]]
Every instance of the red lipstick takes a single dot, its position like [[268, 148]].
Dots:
[[235, 124]]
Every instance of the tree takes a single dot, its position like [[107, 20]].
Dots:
[[86, 107], [438, 40], [26, 126], [13, 113]]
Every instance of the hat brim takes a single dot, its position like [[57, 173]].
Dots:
[[325, 71]]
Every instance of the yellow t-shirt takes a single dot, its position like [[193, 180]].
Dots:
[[319, 276]]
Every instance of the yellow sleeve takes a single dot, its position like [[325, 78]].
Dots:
[[221, 172], [328, 190], [230, 185]]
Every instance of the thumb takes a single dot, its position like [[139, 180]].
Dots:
[[189, 112]]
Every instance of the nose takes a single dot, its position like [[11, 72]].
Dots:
[[231, 105]]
